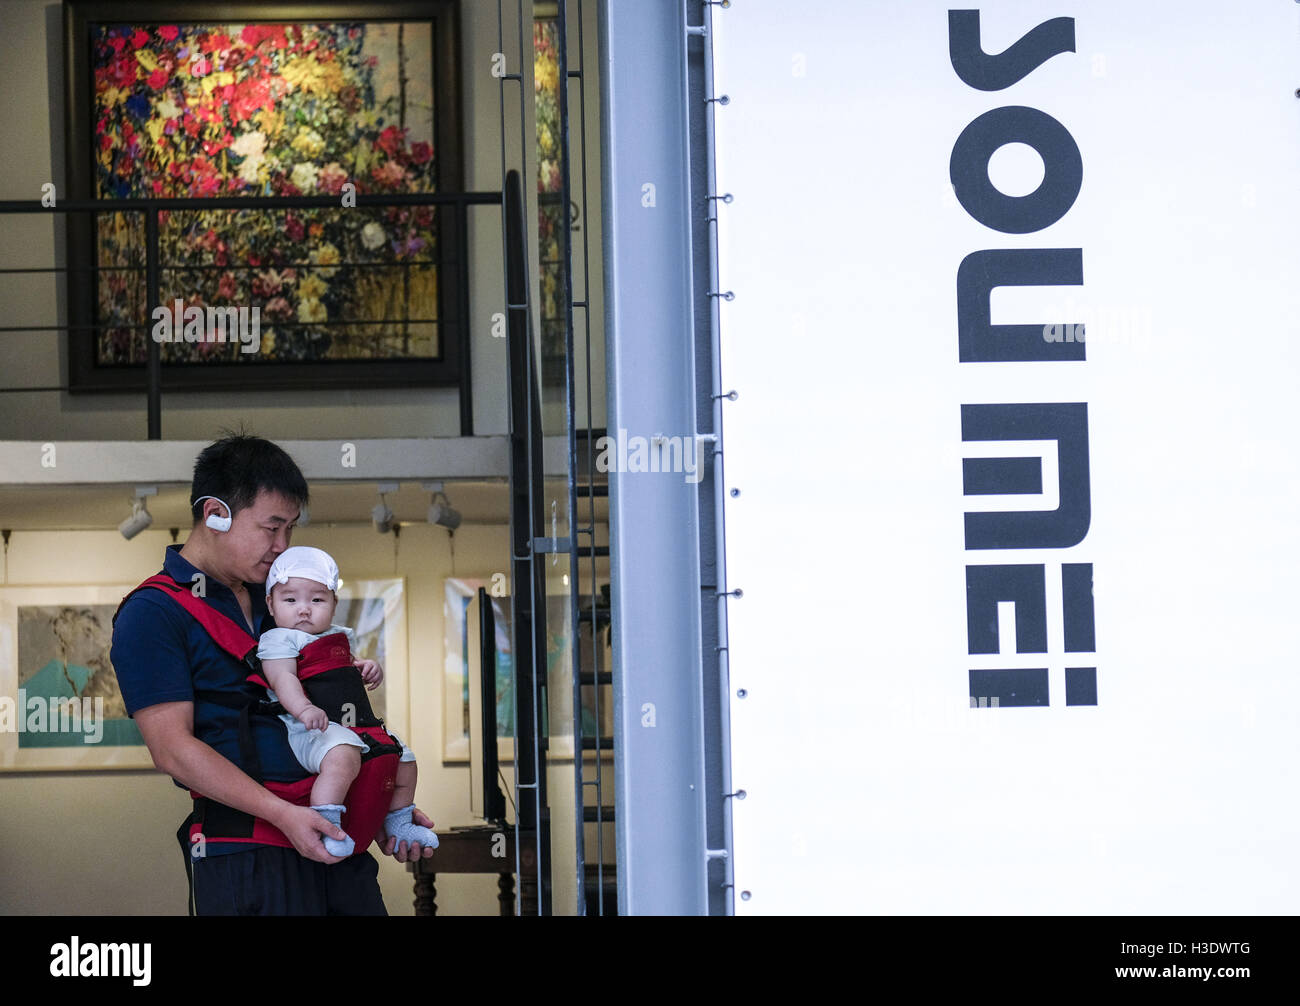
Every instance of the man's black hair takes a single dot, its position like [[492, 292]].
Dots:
[[238, 467]]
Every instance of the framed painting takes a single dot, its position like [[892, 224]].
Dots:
[[375, 610], [459, 652], [231, 101], [60, 705], [461, 657], [553, 216]]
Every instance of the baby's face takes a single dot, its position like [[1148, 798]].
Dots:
[[302, 604]]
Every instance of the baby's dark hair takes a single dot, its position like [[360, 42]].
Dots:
[[237, 467]]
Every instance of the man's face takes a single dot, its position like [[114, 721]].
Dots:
[[304, 604], [257, 535]]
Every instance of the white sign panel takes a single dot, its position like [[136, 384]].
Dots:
[[1015, 343]]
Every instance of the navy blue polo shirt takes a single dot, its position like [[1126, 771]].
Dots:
[[162, 654]]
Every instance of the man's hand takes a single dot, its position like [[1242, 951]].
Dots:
[[314, 718], [402, 853], [168, 731], [303, 827], [371, 673]]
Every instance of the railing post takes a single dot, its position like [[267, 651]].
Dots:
[[465, 329], [151, 301]]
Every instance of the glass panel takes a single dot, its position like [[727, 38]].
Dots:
[[554, 367]]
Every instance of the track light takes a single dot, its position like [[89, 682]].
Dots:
[[441, 512], [444, 514], [139, 520], [140, 517], [381, 515]]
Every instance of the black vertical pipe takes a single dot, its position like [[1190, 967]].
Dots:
[[463, 327], [528, 585], [151, 302], [571, 455]]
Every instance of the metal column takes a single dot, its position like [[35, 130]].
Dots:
[[654, 516]]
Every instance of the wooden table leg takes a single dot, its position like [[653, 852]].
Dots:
[[425, 894], [506, 884]]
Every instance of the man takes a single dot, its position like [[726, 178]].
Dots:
[[246, 496]]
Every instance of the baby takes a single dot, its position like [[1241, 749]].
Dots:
[[300, 594]]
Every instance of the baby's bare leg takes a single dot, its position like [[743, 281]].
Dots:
[[338, 769], [404, 786]]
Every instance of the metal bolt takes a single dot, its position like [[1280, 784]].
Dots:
[[741, 693], [735, 493], [744, 895]]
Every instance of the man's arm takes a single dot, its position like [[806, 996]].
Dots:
[[168, 731]]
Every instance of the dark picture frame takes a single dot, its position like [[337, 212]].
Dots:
[[91, 363]]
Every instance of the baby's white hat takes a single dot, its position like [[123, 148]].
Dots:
[[306, 562]]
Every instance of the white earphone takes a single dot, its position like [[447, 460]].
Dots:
[[214, 521]]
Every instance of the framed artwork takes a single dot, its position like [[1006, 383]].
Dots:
[[205, 100], [60, 705], [459, 651], [552, 214], [461, 654], [375, 610]]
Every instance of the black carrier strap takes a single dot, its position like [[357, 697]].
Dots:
[[248, 707], [342, 695], [183, 837]]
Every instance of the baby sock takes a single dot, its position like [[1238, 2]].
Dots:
[[400, 824], [333, 813]]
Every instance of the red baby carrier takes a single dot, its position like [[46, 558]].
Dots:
[[332, 682]]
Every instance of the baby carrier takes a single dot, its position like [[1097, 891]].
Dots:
[[332, 682]]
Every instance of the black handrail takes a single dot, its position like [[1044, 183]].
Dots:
[[151, 207]]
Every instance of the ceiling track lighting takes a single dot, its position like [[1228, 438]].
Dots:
[[441, 512], [140, 517], [381, 515]]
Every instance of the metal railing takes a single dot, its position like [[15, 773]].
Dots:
[[457, 203]]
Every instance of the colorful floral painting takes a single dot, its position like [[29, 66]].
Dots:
[[553, 215], [202, 110]]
